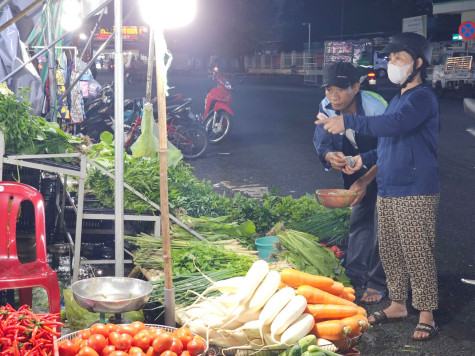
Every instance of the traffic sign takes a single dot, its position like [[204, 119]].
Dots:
[[456, 37], [467, 30]]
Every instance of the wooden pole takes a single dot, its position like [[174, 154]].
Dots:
[[151, 52], [160, 48]]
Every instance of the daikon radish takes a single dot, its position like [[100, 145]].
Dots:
[[288, 315], [248, 316], [253, 329], [275, 304], [265, 290], [230, 285], [254, 276], [300, 328], [326, 344]]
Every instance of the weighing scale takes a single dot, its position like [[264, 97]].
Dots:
[[111, 295]]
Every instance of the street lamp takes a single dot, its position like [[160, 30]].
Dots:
[[309, 27], [159, 15]]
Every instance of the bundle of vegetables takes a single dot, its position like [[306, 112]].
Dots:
[[23, 332], [250, 313], [330, 225], [305, 253], [28, 134], [337, 319], [188, 254], [218, 228], [188, 286], [132, 339]]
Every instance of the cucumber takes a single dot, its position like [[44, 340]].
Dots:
[[295, 350], [306, 341]]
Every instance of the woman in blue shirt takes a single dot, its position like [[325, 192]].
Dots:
[[408, 182]]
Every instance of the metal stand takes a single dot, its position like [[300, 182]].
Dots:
[[79, 171]]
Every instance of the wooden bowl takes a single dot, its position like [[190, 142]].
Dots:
[[335, 198]]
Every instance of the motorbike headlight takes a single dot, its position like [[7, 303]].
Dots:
[[228, 86]]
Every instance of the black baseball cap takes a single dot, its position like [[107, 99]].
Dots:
[[341, 75]]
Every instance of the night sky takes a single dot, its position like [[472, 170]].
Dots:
[[236, 27]]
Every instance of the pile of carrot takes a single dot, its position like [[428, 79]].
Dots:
[[337, 318]]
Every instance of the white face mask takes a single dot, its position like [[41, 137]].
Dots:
[[398, 74]]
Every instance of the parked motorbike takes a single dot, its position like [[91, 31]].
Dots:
[[469, 108], [136, 76], [218, 114]]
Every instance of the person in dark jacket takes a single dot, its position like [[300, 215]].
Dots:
[[408, 182], [343, 95]]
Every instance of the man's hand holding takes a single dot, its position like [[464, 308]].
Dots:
[[358, 165], [360, 188], [336, 159]]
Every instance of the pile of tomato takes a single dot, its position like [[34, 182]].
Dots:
[[135, 339], [336, 251]]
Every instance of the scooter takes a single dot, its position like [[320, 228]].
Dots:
[[218, 114], [469, 109]]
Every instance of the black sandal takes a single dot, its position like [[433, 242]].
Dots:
[[431, 330], [380, 317]]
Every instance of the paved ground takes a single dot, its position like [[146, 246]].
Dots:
[[271, 146]]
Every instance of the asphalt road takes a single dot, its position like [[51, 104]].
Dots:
[[270, 146]]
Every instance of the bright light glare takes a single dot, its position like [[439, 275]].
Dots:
[[168, 13], [82, 36], [71, 15]]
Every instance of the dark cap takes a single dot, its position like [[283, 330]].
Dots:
[[341, 75], [414, 44]]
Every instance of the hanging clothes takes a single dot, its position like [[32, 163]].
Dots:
[[77, 101]]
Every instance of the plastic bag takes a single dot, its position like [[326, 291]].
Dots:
[[94, 88], [146, 144], [79, 318]]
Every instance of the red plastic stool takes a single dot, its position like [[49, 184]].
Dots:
[[25, 276]]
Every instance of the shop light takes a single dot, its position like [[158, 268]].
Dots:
[[167, 14]]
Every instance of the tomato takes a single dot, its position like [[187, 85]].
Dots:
[[138, 325], [334, 248], [162, 342], [119, 353], [122, 342], [136, 351], [196, 346], [87, 351], [112, 327], [177, 345], [153, 332], [100, 329], [68, 348], [151, 352], [184, 334], [83, 343], [97, 342], [168, 353], [113, 337], [106, 351], [127, 329], [84, 334], [142, 339], [339, 254], [185, 353]]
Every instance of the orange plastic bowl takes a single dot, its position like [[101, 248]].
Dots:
[[335, 198]]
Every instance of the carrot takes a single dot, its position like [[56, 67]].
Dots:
[[362, 311], [336, 288], [295, 278], [355, 323], [330, 311], [333, 330], [317, 296], [282, 285], [348, 290], [363, 322], [348, 296]]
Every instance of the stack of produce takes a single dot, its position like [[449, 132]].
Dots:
[[24, 333], [253, 313], [337, 319], [135, 339]]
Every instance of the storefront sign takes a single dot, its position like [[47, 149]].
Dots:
[[129, 33], [417, 24]]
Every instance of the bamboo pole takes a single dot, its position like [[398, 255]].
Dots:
[[151, 52], [160, 47]]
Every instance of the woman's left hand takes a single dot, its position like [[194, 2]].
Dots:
[[360, 188]]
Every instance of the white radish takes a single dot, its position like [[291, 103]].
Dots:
[[288, 315], [265, 290], [253, 329], [254, 276], [248, 316], [326, 344], [275, 304], [230, 285], [300, 328]]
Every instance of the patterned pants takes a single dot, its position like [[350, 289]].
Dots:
[[406, 233]]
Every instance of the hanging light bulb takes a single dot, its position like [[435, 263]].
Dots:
[[71, 19], [168, 13]]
